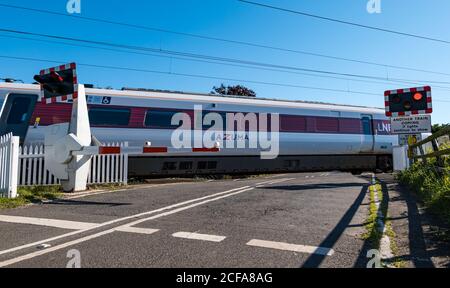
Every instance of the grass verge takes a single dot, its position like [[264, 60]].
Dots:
[[431, 186], [374, 234], [28, 195]]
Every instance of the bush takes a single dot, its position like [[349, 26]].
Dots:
[[431, 186]]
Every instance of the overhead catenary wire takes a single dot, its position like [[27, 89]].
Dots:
[[216, 58], [346, 22], [218, 63], [196, 76], [223, 40]]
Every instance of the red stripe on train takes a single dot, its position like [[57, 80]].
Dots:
[[155, 150], [205, 149]]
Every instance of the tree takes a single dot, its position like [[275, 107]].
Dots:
[[438, 127], [236, 90]]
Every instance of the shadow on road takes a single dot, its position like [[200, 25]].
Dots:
[[315, 260], [313, 186], [84, 203], [418, 253]]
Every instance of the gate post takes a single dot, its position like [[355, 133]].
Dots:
[[14, 166], [78, 167]]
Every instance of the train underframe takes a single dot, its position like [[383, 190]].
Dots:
[[188, 166]]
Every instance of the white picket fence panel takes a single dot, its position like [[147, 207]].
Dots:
[[105, 169], [32, 167], [9, 153]]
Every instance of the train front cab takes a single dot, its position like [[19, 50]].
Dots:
[[16, 112]]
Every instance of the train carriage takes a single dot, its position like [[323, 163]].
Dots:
[[312, 136]]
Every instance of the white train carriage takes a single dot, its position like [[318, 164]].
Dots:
[[313, 136]]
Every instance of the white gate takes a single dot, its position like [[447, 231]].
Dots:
[[105, 169], [9, 153]]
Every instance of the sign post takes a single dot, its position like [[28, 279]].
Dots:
[[60, 83], [410, 125], [408, 109]]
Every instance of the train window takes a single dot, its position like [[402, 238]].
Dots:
[[160, 119], [327, 124], [19, 111], [367, 125], [290, 123], [186, 165], [109, 116]]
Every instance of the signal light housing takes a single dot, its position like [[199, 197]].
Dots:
[[59, 82], [406, 102]]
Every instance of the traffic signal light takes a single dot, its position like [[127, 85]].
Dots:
[[58, 82], [405, 102]]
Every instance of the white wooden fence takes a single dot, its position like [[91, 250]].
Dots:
[[9, 153], [105, 169]]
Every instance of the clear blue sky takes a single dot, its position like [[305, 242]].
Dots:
[[238, 21]]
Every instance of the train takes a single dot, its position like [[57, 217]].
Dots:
[[312, 136]]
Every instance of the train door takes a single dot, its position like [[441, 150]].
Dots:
[[368, 137], [16, 114]]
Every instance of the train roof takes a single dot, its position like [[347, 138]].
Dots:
[[144, 93]]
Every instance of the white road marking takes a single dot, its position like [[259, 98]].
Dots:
[[259, 185], [117, 220], [93, 236], [71, 225], [52, 249], [136, 230], [196, 236], [291, 247], [262, 183]]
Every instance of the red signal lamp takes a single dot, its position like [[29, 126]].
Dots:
[[418, 97]]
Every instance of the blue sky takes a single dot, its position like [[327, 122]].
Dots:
[[234, 20]]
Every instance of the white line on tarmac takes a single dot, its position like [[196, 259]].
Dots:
[[262, 183], [259, 185], [291, 247], [72, 225], [136, 230], [196, 236], [93, 236], [116, 221]]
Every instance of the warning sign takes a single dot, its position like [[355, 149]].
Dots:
[[404, 139], [411, 125]]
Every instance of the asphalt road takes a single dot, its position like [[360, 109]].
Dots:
[[290, 220]]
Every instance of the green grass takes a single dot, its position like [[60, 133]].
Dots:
[[373, 233], [432, 187], [28, 195]]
